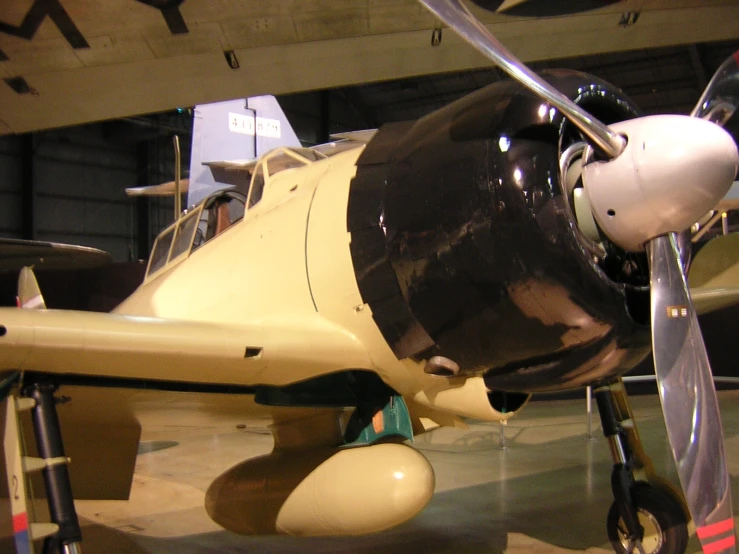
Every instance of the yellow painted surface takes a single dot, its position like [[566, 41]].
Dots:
[[714, 274], [272, 300]]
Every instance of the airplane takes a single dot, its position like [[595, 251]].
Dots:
[[398, 280], [131, 57]]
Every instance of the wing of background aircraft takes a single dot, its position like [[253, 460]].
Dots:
[[163, 189], [714, 274], [16, 253]]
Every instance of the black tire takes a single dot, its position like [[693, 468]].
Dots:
[[666, 531]]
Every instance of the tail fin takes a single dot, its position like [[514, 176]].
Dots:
[[236, 130], [29, 294]]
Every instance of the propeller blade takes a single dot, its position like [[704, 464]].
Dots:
[[720, 99], [686, 387], [457, 16]]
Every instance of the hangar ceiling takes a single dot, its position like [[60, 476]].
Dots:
[[659, 80], [66, 62]]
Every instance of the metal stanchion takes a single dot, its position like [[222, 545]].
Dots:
[[626, 379], [652, 378], [589, 409], [502, 443]]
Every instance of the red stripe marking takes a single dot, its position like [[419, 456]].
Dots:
[[719, 545], [20, 523], [715, 528]]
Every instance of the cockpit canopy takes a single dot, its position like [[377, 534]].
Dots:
[[211, 217], [223, 208]]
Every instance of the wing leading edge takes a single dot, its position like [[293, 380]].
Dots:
[[131, 347]]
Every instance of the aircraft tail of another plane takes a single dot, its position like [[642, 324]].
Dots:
[[231, 131], [235, 130], [29, 294]]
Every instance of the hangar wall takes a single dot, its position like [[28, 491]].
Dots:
[[10, 186], [316, 115], [79, 181], [67, 185]]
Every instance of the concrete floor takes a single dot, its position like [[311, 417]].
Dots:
[[548, 491]]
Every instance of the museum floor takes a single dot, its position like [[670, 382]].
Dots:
[[548, 491]]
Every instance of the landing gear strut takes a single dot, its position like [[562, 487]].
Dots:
[[62, 535], [647, 515], [56, 477]]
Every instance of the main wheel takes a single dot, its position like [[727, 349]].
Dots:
[[665, 528]]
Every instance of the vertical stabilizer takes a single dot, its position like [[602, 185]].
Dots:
[[273, 128], [235, 130], [29, 294]]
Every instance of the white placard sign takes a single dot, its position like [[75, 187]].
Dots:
[[244, 124]]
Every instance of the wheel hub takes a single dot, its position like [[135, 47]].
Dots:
[[652, 540]]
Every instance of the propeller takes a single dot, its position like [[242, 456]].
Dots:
[[660, 175], [721, 97], [688, 396]]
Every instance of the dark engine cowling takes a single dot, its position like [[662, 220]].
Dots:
[[463, 245]]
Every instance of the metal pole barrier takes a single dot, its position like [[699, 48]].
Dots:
[[652, 378], [725, 223], [177, 169], [629, 379], [707, 227], [589, 409], [639, 378], [502, 443]]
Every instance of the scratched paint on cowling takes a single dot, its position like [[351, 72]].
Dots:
[[472, 224]]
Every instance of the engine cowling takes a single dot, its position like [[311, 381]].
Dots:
[[464, 248], [322, 491]]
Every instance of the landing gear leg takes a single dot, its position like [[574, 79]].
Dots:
[[647, 516], [56, 477], [373, 421]]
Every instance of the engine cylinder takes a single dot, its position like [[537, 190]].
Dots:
[[322, 491]]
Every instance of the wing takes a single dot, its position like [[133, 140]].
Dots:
[[121, 371], [714, 274], [163, 189], [17, 253], [148, 348]]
